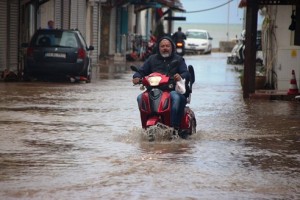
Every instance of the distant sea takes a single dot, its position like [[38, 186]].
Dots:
[[217, 31]]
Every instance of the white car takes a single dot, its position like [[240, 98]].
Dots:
[[198, 41]]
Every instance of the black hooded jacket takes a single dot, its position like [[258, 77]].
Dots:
[[157, 63]]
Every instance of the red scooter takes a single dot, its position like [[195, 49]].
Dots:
[[156, 103]]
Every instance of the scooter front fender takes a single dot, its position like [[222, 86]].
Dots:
[[152, 121]]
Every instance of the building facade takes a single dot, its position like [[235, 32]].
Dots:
[[106, 24], [280, 42]]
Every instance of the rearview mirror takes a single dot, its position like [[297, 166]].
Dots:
[[192, 73], [134, 68]]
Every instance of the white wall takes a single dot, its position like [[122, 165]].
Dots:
[[287, 54], [131, 19], [143, 23], [283, 20], [288, 60]]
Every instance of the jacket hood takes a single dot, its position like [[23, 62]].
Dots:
[[173, 47]]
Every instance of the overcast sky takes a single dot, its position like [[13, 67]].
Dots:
[[217, 15]]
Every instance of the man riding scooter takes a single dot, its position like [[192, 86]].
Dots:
[[160, 62], [179, 37]]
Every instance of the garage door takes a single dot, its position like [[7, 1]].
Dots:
[[13, 34], [3, 34]]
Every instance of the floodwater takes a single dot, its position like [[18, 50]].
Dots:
[[83, 141]]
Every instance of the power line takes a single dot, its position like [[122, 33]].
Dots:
[[209, 8]]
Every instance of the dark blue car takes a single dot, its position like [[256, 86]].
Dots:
[[55, 52]]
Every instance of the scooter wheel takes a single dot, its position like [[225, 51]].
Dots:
[[228, 62], [183, 134], [193, 127]]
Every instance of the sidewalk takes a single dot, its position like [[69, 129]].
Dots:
[[120, 66], [273, 95]]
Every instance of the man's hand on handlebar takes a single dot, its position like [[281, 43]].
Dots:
[[177, 77], [136, 81]]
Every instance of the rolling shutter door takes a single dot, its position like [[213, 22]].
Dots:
[[82, 16], [66, 14], [58, 13], [112, 35], [3, 34], [96, 28], [78, 15], [73, 17], [13, 35]]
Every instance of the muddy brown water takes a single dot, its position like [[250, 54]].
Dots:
[[83, 141]]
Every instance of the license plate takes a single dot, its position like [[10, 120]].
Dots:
[[179, 50], [55, 55]]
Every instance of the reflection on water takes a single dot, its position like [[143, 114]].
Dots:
[[85, 141], [270, 153]]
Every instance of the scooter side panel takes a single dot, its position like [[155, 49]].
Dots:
[[162, 111], [145, 109], [152, 121]]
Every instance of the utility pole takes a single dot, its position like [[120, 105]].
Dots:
[[228, 12]]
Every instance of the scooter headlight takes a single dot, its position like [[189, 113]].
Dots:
[[154, 80]]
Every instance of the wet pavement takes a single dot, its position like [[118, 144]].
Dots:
[[63, 140]]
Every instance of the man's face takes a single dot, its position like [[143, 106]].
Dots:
[[165, 48]]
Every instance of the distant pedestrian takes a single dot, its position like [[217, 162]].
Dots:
[[50, 24]]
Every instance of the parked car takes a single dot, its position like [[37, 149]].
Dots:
[[55, 52], [198, 41]]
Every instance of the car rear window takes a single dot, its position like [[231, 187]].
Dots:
[[56, 39], [197, 35]]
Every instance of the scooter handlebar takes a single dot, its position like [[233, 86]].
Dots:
[[137, 81]]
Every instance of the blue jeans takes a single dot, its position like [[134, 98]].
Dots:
[[178, 102]]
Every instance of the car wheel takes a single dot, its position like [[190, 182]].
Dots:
[[208, 52], [26, 76], [88, 73]]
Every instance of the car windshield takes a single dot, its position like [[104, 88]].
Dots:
[[54, 39], [197, 35]]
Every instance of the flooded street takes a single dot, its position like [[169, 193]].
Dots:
[[83, 141]]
